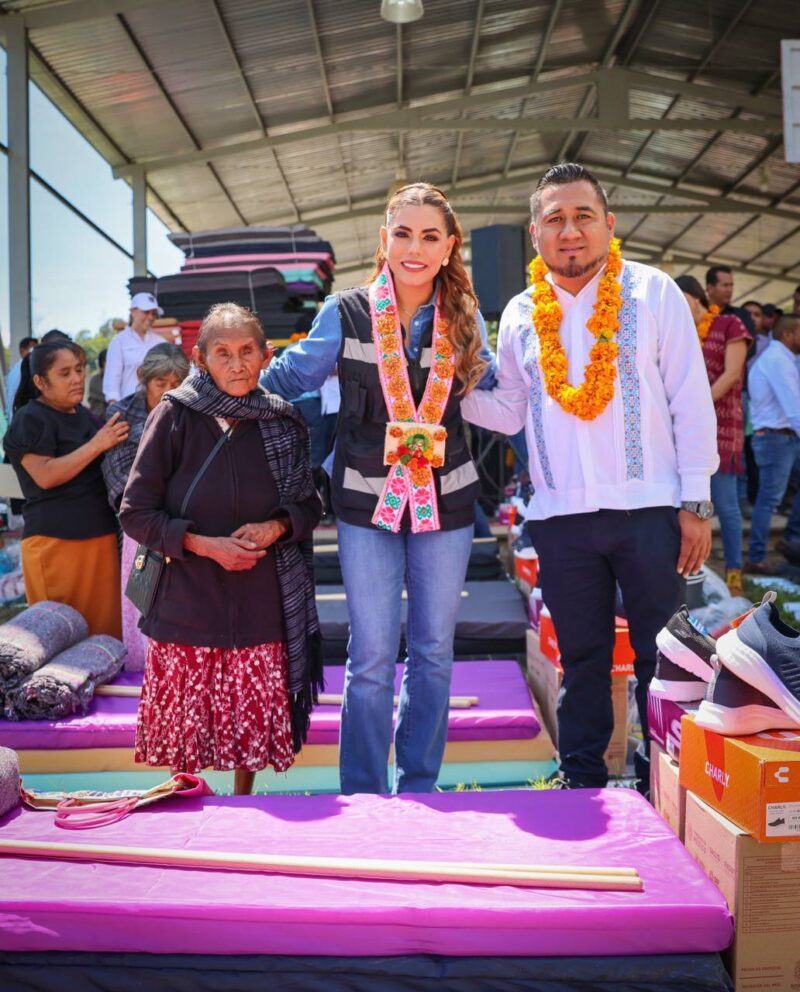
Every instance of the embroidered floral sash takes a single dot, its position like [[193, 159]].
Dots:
[[414, 442]]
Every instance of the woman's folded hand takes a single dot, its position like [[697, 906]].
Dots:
[[234, 554], [264, 534]]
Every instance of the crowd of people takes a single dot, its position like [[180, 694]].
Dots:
[[685, 406]]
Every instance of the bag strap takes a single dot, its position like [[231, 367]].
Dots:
[[202, 470]]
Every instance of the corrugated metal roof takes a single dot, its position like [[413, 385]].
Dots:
[[162, 79]]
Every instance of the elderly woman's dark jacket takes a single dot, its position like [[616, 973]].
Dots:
[[199, 603]]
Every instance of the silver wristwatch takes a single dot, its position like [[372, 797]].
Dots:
[[703, 508]]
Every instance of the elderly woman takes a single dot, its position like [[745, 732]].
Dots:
[[164, 367], [234, 661], [69, 542]]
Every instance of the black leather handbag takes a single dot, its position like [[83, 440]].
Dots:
[[148, 565]]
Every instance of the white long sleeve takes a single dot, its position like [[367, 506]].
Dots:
[[504, 408], [112, 376]]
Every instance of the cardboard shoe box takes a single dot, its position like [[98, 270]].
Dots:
[[754, 781], [666, 792], [544, 678], [761, 884], [624, 655], [664, 722]]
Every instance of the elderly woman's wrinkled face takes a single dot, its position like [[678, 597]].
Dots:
[[234, 358], [156, 387]]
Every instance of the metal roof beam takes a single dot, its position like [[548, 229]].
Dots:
[[711, 201], [541, 55], [329, 104], [419, 117], [411, 120], [640, 29], [71, 12], [473, 55], [130, 172], [605, 62], [712, 51], [223, 26]]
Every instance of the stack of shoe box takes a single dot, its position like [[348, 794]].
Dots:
[[544, 673], [725, 767]]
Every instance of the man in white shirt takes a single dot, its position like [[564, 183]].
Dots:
[[621, 487], [127, 350], [774, 388]]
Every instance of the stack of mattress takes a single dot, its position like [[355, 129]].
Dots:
[[484, 562], [498, 741], [492, 621], [90, 925], [278, 272]]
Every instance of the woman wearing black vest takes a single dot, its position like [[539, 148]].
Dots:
[[408, 347]]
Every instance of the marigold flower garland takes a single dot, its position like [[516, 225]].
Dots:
[[588, 400], [705, 324]]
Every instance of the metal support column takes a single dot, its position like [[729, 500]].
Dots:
[[139, 183], [19, 212]]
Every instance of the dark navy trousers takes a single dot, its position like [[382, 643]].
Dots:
[[582, 556]]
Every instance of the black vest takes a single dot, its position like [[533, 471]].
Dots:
[[358, 469]]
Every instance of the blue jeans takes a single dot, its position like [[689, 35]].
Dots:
[[725, 496], [776, 455], [375, 566]]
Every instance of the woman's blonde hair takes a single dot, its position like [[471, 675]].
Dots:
[[457, 301]]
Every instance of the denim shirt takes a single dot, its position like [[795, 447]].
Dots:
[[306, 365]]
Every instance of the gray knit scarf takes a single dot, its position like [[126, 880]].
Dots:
[[285, 437]]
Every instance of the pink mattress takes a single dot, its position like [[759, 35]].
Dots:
[[505, 713], [69, 906], [288, 258]]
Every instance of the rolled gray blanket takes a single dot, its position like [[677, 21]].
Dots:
[[35, 636], [66, 684], [9, 780]]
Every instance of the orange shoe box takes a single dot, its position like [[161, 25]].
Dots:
[[622, 663], [526, 569], [754, 781], [544, 679], [761, 885]]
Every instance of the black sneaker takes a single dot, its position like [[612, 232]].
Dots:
[[673, 682], [778, 822], [688, 645], [734, 708], [764, 652]]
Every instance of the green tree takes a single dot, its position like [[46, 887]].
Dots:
[[94, 342]]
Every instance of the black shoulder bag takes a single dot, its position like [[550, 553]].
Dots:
[[148, 565]]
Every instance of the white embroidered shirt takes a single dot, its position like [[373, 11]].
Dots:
[[654, 444]]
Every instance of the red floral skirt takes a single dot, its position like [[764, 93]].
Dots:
[[215, 707]]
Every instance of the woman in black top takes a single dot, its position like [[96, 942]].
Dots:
[[69, 542]]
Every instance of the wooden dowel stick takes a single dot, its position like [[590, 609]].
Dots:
[[340, 597], [325, 698], [325, 867]]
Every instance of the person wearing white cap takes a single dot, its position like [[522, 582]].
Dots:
[[127, 350]]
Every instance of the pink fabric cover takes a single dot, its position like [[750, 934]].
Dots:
[[505, 713], [49, 905], [287, 258]]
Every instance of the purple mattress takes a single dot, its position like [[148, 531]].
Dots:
[[55, 905], [505, 713]]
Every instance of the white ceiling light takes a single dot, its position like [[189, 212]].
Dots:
[[401, 11]]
